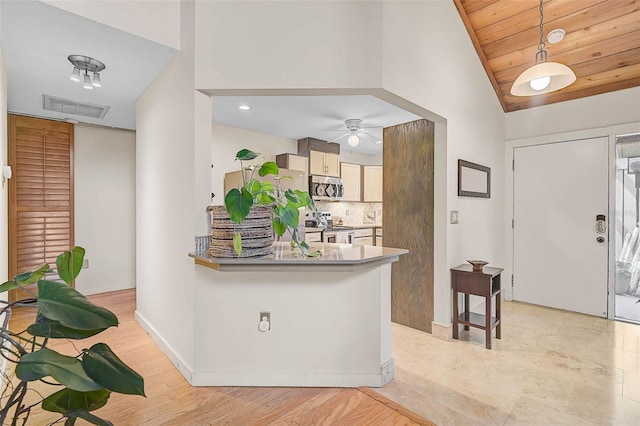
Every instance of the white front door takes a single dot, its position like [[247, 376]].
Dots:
[[559, 260]]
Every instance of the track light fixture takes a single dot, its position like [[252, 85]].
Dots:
[[87, 65]]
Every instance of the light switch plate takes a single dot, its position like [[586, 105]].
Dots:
[[454, 216]]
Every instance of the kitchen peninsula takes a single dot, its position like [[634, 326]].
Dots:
[[327, 319]]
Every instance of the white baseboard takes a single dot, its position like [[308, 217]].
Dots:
[[442, 331], [287, 379], [175, 359]]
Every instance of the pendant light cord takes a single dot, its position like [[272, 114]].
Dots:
[[541, 55]]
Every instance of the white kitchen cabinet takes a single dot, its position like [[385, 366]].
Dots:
[[378, 236], [363, 237], [324, 163], [372, 183], [312, 237], [351, 181], [292, 162]]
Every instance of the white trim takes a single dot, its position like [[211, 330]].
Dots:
[[442, 331], [183, 367], [287, 379]]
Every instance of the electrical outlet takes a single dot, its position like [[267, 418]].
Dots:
[[264, 321], [85, 264]]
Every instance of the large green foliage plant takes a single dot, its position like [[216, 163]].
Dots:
[[84, 380], [285, 204]]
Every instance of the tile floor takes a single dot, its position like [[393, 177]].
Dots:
[[551, 367]]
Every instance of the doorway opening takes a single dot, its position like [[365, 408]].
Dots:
[[627, 229]]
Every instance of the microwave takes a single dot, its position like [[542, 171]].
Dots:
[[325, 188]]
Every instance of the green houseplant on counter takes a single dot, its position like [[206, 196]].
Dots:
[[284, 204], [85, 380]]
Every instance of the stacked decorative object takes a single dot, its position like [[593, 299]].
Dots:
[[256, 232]]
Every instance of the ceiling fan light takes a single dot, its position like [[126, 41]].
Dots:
[[353, 140], [75, 75], [560, 76], [87, 82], [96, 82]]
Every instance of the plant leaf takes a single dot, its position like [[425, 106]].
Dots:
[[237, 243], [103, 366], [238, 204], [32, 276], [68, 400], [71, 421], [45, 327], [91, 418], [279, 226], [65, 369], [268, 168], [69, 264], [265, 198], [26, 278], [246, 155], [59, 302], [289, 215], [293, 198]]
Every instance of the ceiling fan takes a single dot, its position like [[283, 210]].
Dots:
[[354, 131]]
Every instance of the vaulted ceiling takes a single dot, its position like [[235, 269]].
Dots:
[[601, 46]]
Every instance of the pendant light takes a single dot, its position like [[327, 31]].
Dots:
[[353, 140], [543, 77]]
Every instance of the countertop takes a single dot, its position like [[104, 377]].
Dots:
[[338, 257]]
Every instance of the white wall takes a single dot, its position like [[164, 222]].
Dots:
[[285, 44], [358, 158], [4, 187], [160, 18], [598, 111], [171, 155], [447, 78], [228, 140], [105, 201]]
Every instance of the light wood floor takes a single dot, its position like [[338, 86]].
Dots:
[[172, 401]]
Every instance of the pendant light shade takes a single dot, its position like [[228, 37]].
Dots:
[[87, 65], [87, 82], [543, 77], [353, 140], [531, 81], [75, 75]]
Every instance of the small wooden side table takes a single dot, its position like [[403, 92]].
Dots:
[[486, 284]]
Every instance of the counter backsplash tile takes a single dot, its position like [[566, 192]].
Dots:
[[354, 214]]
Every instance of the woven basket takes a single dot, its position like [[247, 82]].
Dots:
[[256, 231]]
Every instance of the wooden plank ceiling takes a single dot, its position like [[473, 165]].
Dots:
[[601, 46]]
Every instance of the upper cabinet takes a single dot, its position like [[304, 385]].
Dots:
[[324, 163], [351, 181], [372, 183], [292, 162], [324, 157]]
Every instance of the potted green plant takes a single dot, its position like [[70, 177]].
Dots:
[[284, 204], [85, 380]]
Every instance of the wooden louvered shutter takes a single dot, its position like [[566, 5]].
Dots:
[[40, 193]]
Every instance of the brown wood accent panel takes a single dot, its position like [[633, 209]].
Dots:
[[40, 193], [172, 401], [407, 219]]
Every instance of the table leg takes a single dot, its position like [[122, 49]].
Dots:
[[465, 308], [488, 320], [499, 326], [455, 314]]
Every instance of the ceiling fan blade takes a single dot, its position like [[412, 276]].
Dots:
[[341, 136], [370, 135]]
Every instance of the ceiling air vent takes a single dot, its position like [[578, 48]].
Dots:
[[66, 106]]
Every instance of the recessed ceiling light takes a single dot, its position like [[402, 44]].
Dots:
[[244, 107]]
